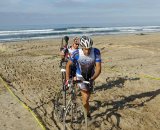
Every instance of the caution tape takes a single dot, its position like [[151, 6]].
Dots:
[[141, 75], [150, 77], [24, 105]]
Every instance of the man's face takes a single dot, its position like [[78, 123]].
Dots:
[[86, 51], [76, 44]]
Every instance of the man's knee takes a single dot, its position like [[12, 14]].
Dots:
[[85, 96]]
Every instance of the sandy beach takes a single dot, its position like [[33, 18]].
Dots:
[[127, 93]]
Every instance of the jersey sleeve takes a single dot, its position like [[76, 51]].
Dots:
[[97, 55], [74, 57]]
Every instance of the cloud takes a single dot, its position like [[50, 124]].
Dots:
[[25, 6], [67, 10], [41, 6]]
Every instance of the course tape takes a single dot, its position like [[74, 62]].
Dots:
[[24, 105], [150, 77], [141, 75]]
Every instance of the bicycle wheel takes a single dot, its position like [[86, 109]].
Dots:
[[59, 106], [75, 115], [79, 116]]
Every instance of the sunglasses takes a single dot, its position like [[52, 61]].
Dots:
[[77, 44]]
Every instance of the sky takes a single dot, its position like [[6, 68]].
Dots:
[[79, 12]]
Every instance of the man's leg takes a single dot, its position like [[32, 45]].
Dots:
[[85, 100]]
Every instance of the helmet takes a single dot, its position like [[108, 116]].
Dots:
[[66, 38], [86, 42]]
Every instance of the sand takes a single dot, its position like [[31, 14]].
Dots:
[[127, 93]]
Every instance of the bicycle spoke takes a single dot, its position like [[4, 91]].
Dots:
[[76, 116], [81, 117], [69, 110], [59, 106]]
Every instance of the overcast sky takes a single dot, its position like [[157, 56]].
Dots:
[[83, 12]]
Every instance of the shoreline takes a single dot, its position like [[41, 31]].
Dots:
[[92, 36]]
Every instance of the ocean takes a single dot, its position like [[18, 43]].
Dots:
[[29, 34]]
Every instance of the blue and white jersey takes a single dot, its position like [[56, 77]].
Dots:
[[71, 51], [85, 64]]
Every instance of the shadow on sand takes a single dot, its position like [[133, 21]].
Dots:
[[114, 82], [112, 107]]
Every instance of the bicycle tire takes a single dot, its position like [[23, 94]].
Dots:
[[59, 106], [75, 115], [81, 116]]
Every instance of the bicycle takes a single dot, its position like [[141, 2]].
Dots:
[[60, 101], [73, 115], [63, 78]]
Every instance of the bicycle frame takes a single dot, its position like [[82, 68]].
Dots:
[[68, 107], [72, 103], [63, 71]]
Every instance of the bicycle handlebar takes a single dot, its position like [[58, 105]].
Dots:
[[78, 81]]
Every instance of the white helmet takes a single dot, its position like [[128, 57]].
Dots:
[[86, 42]]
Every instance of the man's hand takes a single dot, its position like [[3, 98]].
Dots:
[[91, 82], [66, 83], [91, 89]]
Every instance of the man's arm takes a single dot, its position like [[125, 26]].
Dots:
[[69, 63], [97, 70]]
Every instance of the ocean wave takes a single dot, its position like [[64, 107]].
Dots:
[[72, 31]]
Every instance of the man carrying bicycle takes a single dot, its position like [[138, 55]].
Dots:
[[67, 51], [88, 67], [70, 51]]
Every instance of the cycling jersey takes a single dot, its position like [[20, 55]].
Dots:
[[70, 51], [85, 64]]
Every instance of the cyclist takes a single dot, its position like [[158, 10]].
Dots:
[[74, 46], [67, 51], [88, 67], [70, 51]]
